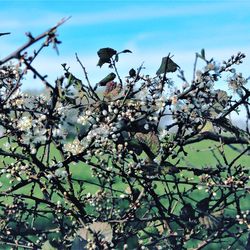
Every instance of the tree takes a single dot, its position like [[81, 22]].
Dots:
[[125, 180]]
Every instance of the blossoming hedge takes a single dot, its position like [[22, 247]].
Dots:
[[124, 178]]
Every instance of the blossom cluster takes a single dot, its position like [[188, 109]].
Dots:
[[113, 166]]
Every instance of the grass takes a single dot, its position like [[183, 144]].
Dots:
[[199, 155]]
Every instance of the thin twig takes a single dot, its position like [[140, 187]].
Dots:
[[195, 64], [16, 53], [86, 77], [4, 33]]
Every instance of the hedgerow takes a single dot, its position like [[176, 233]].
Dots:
[[123, 179]]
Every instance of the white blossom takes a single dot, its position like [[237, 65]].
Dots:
[[74, 147], [25, 123]]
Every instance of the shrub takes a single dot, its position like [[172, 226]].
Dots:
[[126, 180]]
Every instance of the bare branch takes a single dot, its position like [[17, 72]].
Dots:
[[16, 54]]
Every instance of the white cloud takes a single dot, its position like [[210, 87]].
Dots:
[[51, 65], [140, 12], [132, 12]]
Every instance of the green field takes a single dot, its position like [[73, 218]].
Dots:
[[199, 155]]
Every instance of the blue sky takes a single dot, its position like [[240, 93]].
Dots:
[[151, 29]]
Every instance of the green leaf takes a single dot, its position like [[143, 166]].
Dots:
[[126, 51], [203, 53], [110, 77], [169, 168], [132, 73], [187, 212], [72, 80], [151, 168], [134, 145], [203, 205], [79, 243], [167, 65], [131, 242], [105, 55], [116, 57]]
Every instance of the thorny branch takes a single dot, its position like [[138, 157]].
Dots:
[[102, 165]]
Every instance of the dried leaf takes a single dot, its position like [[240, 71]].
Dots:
[[109, 87], [220, 103], [228, 126], [47, 246], [150, 139], [208, 127], [112, 90], [212, 221], [102, 229]]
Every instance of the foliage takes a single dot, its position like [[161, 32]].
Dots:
[[146, 194]]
